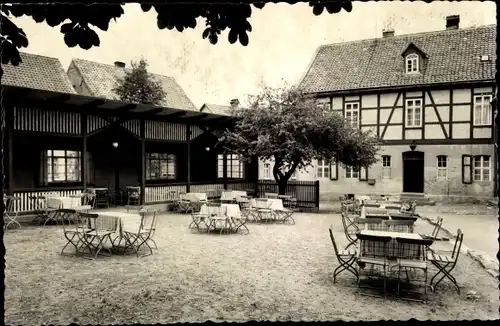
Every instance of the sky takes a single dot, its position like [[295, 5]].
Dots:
[[282, 43]]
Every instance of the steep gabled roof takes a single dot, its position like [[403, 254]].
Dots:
[[101, 79], [452, 56], [216, 109], [37, 72]]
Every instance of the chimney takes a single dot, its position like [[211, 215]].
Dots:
[[234, 103], [387, 33], [119, 64], [452, 22]]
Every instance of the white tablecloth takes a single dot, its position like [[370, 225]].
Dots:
[[64, 202], [213, 210], [195, 196], [232, 210], [274, 204], [129, 222]]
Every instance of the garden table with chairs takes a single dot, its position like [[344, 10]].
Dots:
[[389, 245], [217, 217], [119, 230]]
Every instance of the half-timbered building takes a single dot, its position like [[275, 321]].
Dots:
[[58, 140], [427, 96]]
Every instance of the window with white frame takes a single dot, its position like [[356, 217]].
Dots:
[[324, 103], [482, 110], [267, 171], [323, 169], [351, 172], [234, 166], [442, 167], [352, 113], [481, 166], [412, 65], [414, 113], [62, 166], [386, 166]]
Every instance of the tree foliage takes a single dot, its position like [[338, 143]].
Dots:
[[286, 126], [79, 20], [138, 86]]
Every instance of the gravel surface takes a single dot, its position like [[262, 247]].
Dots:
[[277, 272]]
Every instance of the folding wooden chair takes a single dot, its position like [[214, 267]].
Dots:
[[284, 214], [39, 208], [400, 226], [70, 228], [201, 217], [412, 255], [11, 212], [53, 207], [373, 251], [264, 212], [133, 196], [446, 263], [346, 259], [240, 222], [145, 233], [350, 236], [376, 224], [435, 231], [97, 235], [218, 219], [101, 198]]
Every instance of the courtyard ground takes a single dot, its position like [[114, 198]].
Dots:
[[277, 272]]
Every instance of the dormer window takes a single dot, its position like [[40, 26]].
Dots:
[[412, 64]]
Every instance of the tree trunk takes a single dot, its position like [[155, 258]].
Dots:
[[282, 187]]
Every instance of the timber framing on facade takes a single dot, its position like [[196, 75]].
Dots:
[[427, 96]]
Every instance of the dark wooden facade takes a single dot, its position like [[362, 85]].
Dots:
[[113, 139]]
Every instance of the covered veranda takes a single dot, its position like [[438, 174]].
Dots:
[[66, 143]]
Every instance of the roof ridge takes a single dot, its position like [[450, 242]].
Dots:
[[110, 65], [39, 55], [448, 31]]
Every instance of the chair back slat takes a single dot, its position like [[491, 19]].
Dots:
[[403, 226], [333, 241], [458, 245], [271, 195], [373, 246], [437, 227], [412, 248]]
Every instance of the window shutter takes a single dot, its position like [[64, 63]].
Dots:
[[466, 169], [363, 173], [334, 170], [44, 178]]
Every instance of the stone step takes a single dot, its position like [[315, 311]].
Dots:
[[419, 199]]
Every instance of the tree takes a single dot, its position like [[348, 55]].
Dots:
[[286, 125], [138, 86], [171, 14]]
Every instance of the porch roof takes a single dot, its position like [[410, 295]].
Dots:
[[21, 96]]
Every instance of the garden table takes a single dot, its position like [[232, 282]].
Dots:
[[393, 246], [119, 223]]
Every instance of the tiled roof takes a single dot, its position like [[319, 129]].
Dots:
[[37, 72], [453, 56], [101, 79], [217, 109]]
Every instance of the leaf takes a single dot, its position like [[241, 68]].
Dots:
[[233, 36], [318, 9], [243, 38], [205, 33], [146, 7]]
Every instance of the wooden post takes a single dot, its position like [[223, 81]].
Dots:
[[142, 170], [9, 125], [188, 142], [255, 163], [224, 170], [316, 188], [83, 158]]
